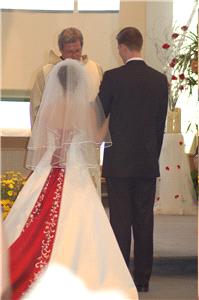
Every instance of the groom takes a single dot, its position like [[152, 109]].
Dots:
[[136, 97]]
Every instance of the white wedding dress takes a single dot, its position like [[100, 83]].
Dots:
[[83, 241]]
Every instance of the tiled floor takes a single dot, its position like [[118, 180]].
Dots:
[[175, 236], [171, 287]]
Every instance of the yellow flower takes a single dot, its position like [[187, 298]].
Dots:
[[5, 202], [7, 207], [10, 193], [5, 213], [11, 183]]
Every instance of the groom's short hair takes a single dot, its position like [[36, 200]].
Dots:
[[131, 37]]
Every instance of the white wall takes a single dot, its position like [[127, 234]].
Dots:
[[28, 36], [159, 17]]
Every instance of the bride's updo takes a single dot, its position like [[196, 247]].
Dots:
[[62, 74], [68, 75]]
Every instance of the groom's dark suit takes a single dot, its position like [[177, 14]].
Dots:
[[136, 97]]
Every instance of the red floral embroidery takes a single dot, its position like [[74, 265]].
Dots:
[[167, 168], [177, 196]]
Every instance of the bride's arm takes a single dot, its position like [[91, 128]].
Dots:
[[99, 130], [102, 132], [63, 139]]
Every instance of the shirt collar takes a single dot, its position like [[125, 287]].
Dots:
[[134, 58]]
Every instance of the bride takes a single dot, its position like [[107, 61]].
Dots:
[[58, 217]]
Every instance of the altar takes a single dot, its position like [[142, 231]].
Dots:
[[175, 194], [15, 132]]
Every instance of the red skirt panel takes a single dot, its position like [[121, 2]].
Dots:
[[32, 249]]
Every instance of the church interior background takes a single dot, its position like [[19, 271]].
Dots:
[[28, 36]]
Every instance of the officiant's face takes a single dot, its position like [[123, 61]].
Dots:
[[72, 50]]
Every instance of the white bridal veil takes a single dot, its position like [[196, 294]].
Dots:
[[68, 115]]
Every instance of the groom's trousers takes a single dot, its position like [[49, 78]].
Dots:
[[131, 202]]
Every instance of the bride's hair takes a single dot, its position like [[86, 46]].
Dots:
[[62, 74], [69, 78]]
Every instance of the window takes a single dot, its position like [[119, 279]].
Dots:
[[14, 118], [98, 5], [186, 15], [62, 5], [48, 5]]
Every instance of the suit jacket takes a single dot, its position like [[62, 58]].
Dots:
[[136, 98]]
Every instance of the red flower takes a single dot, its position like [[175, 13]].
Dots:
[[174, 35], [181, 76], [184, 28], [181, 87], [176, 196], [174, 77], [165, 46], [178, 166], [167, 168], [173, 62]]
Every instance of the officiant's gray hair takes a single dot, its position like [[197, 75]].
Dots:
[[70, 35]]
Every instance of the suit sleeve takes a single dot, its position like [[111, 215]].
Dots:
[[106, 93], [161, 117]]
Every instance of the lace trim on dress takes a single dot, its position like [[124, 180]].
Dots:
[[37, 208], [50, 228]]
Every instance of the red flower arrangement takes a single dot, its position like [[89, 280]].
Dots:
[[175, 35], [176, 55]]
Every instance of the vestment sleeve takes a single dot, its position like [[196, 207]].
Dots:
[[36, 95]]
